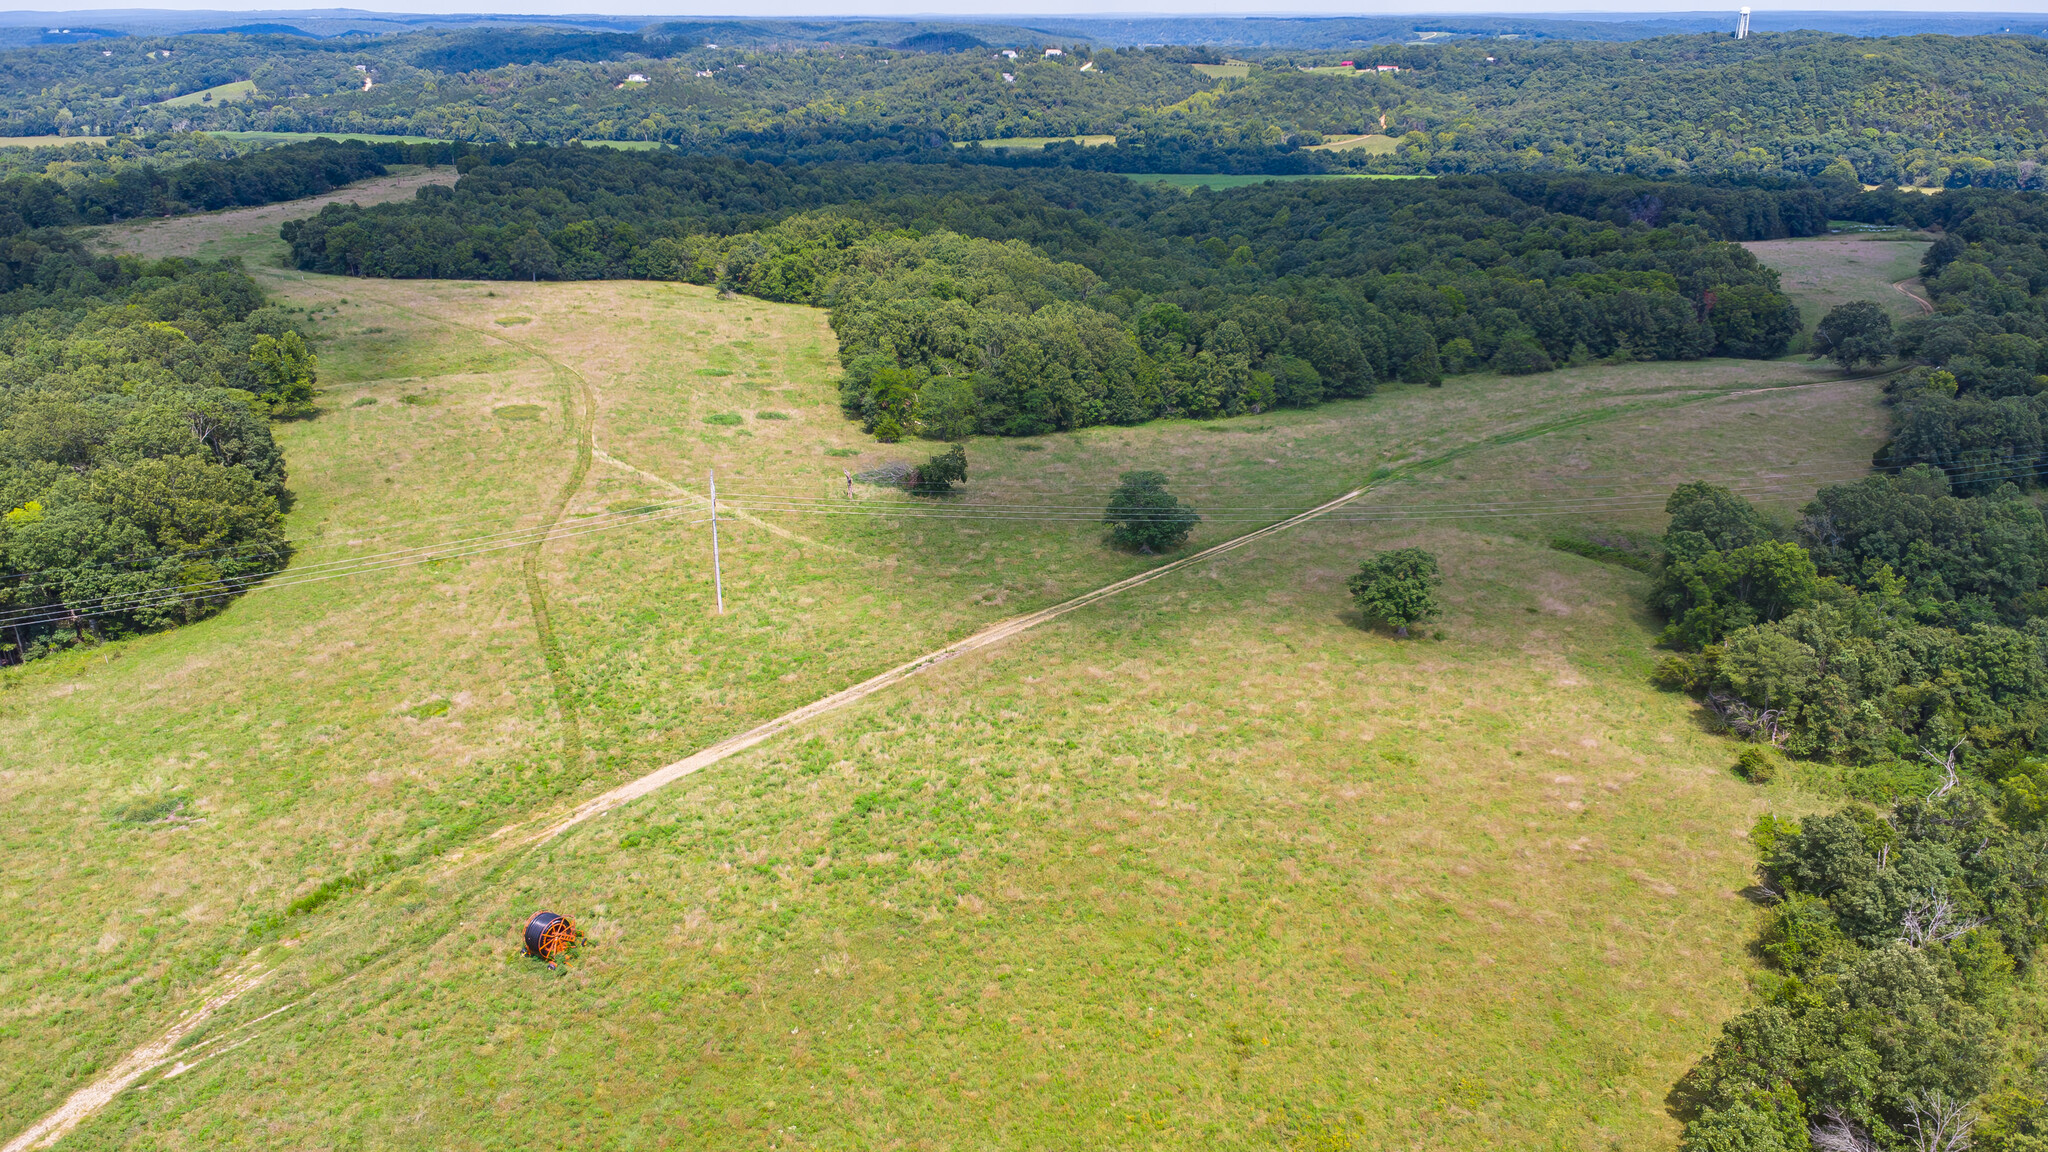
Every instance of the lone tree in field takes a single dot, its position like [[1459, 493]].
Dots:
[[1398, 588], [1146, 516], [941, 472], [1854, 333]]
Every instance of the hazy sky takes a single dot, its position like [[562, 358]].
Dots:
[[761, 8]]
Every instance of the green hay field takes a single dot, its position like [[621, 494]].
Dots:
[[1376, 144], [301, 137], [1204, 864], [1035, 143], [1189, 181], [1823, 271], [227, 93]]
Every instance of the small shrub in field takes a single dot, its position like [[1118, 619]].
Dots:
[[1755, 766], [149, 809], [941, 472], [364, 402], [724, 419], [771, 415]]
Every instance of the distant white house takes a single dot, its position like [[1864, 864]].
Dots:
[[1054, 52], [1009, 79], [1386, 68], [1009, 54], [635, 78]]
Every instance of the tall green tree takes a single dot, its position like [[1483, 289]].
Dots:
[[1854, 333], [532, 256], [1398, 588], [1143, 515]]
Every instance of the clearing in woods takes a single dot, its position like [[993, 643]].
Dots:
[[1204, 862], [1823, 271]]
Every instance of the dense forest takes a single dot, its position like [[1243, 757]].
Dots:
[[1041, 301], [1929, 110]]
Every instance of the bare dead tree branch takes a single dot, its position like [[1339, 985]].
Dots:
[[1940, 1123], [1834, 1133], [1745, 719], [1948, 767], [1932, 920]]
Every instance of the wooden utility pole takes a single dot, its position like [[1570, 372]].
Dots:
[[717, 577]]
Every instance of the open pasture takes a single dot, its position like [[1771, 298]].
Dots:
[[1204, 863], [1823, 271]]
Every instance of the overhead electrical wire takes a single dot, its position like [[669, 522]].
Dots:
[[656, 511]]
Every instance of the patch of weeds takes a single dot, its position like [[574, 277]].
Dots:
[[149, 809], [372, 331], [771, 415], [428, 710], [842, 451], [518, 412], [713, 372], [1624, 551], [1216, 428], [512, 321], [420, 400], [636, 507], [725, 419], [1030, 447], [364, 402]]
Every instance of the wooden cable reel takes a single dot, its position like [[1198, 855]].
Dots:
[[549, 935]]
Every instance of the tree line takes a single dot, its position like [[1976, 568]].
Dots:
[[203, 185], [1899, 632], [974, 299]]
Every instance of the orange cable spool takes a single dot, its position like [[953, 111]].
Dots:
[[549, 934]]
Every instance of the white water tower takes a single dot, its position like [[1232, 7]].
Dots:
[[1742, 26]]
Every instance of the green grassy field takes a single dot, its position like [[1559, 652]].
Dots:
[[1207, 863], [1192, 180], [1823, 271], [1033, 143], [301, 137], [48, 141], [1373, 143], [1223, 71], [227, 93]]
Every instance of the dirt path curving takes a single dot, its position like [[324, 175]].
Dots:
[[1899, 286], [137, 1064]]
